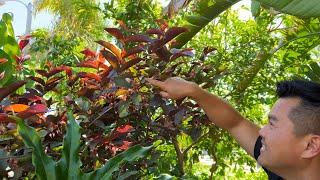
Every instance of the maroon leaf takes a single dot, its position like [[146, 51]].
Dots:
[[88, 53], [206, 51], [51, 86], [155, 31], [163, 53], [55, 70], [36, 79], [42, 72], [53, 80], [112, 59], [111, 47], [172, 33], [130, 63], [115, 32], [137, 38], [33, 110], [132, 51], [5, 91], [32, 97], [184, 52], [89, 75], [5, 118]]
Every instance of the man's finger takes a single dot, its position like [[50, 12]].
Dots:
[[164, 94], [154, 82]]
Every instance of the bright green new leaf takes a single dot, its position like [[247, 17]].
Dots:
[[45, 166]]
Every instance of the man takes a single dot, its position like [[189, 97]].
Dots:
[[288, 147]]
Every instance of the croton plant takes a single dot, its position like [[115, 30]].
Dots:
[[106, 100]]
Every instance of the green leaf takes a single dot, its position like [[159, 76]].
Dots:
[[7, 67], [122, 82], [7, 18], [255, 8], [127, 175], [69, 164], [3, 33], [123, 109], [113, 164], [300, 8], [11, 46], [45, 166], [207, 12]]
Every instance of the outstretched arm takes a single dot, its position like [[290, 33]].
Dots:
[[219, 112]]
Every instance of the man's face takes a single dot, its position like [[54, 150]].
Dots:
[[281, 149]]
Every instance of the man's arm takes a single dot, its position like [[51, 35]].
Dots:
[[219, 112]]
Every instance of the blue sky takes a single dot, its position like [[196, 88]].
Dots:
[[44, 19], [19, 11]]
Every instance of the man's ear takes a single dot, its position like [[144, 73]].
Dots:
[[312, 148]]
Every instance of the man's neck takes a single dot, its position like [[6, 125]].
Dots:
[[308, 173]]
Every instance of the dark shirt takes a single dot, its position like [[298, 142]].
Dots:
[[271, 175]]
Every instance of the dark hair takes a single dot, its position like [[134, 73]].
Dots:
[[306, 116]]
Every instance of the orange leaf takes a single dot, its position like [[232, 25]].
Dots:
[[16, 107], [33, 110], [3, 60], [114, 49]]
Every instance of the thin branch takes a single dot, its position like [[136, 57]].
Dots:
[[194, 143]]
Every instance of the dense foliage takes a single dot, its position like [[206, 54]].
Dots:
[[63, 89]]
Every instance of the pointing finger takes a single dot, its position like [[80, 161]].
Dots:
[[156, 83], [164, 94]]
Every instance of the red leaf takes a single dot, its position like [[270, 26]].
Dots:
[[115, 32], [89, 75], [162, 23], [132, 51], [137, 38], [89, 63], [123, 25], [125, 145], [112, 59], [88, 53], [36, 79], [23, 43], [124, 129], [130, 63], [33, 110], [4, 118], [16, 108], [5, 91], [55, 70], [111, 47], [3, 60], [155, 31]]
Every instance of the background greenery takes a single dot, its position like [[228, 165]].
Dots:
[[239, 60]]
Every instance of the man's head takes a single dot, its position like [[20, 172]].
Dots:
[[291, 139]]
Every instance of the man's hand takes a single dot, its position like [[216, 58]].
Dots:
[[175, 87]]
